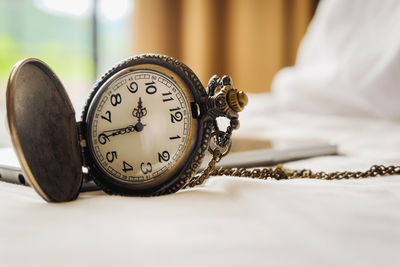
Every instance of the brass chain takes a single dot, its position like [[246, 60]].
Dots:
[[280, 173], [222, 140], [200, 178]]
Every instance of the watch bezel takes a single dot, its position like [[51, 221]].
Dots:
[[199, 137]]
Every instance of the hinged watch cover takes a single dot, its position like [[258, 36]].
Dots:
[[43, 131]]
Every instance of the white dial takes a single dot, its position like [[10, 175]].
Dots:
[[140, 126]]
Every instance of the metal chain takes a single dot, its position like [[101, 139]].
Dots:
[[200, 178], [222, 140], [280, 173]]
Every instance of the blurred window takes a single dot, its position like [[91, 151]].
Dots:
[[74, 37], [78, 39]]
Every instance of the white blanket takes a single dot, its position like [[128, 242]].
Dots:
[[348, 62], [228, 221], [246, 222]]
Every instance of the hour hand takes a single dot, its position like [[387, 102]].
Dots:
[[139, 111]]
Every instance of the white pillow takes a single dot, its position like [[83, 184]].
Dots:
[[348, 62]]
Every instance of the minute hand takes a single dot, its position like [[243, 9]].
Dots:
[[105, 136]]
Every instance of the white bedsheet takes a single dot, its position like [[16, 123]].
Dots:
[[228, 221], [348, 61]]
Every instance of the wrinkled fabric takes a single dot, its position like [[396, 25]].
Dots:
[[348, 62], [228, 221]]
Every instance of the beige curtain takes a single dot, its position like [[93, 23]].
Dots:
[[247, 39]]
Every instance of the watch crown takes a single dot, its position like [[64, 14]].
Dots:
[[237, 100]]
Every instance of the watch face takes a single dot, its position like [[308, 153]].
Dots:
[[140, 126]]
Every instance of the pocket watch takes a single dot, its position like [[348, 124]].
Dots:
[[144, 129]]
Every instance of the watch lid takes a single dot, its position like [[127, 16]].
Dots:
[[43, 131]]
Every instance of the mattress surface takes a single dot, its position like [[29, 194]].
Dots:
[[229, 221]]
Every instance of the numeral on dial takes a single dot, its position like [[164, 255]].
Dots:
[[127, 167], [146, 168], [111, 156], [151, 89], [102, 138], [174, 137], [163, 156], [165, 99], [115, 99], [133, 87], [176, 115], [108, 118]]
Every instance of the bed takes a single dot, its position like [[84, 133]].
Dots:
[[228, 221], [342, 90]]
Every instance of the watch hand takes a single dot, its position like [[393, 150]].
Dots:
[[140, 111], [105, 136], [127, 129]]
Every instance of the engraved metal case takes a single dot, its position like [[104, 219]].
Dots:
[[52, 147], [43, 131], [199, 136]]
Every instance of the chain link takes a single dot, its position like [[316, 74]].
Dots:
[[222, 140], [200, 178], [280, 173]]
